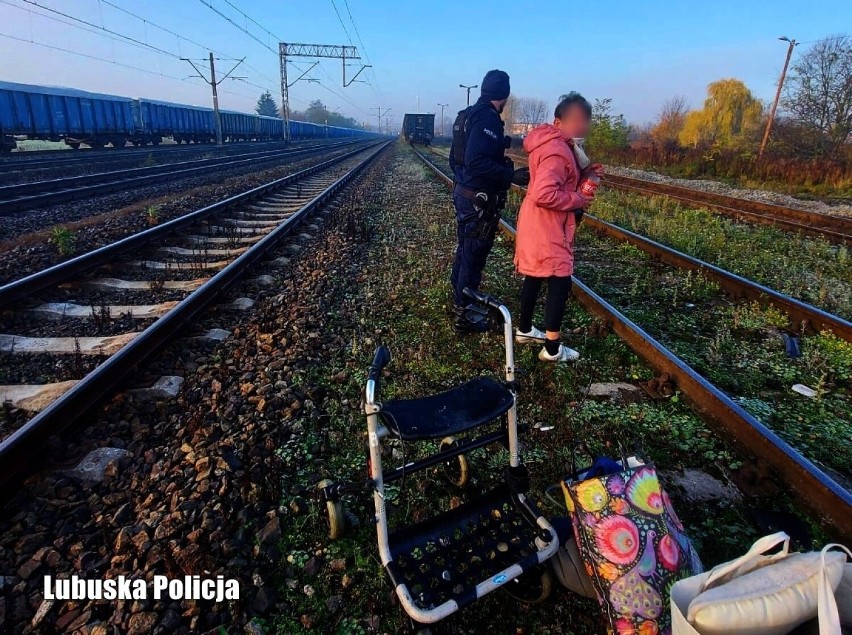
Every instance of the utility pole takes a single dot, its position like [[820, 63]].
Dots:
[[217, 119], [468, 88], [790, 47], [442, 118], [380, 114]]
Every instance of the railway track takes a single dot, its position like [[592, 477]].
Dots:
[[12, 172], [827, 499], [812, 318], [25, 196], [161, 279], [58, 156], [837, 229]]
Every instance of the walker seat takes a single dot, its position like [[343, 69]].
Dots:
[[470, 405], [462, 554], [459, 555]]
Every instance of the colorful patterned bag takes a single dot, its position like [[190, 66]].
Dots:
[[633, 546]]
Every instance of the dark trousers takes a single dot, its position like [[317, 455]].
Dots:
[[558, 290], [471, 253]]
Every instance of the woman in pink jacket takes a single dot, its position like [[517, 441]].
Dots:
[[544, 246]]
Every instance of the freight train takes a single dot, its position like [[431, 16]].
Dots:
[[77, 116], [418, 128]]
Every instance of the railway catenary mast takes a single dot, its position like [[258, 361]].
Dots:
[[334, 51], [217, 118]]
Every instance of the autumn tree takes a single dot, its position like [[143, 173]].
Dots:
[[731, 117], [608, 130], [818, 93], [266, 105], [670, 122]]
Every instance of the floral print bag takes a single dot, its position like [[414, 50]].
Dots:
[[633, 546]]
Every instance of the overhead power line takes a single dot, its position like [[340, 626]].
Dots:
[[340, 19], [827, 39], [252, 20], [103, 28], [210, 6], [363, 48]]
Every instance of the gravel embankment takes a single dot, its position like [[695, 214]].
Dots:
[[716, 187], [199, 491]]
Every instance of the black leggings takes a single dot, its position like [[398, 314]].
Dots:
[[558, 290]]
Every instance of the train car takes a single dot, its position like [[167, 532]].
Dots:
[[155, 120], [76, 116], [270, 128], [418, 128], [55, 114], [238, 126]]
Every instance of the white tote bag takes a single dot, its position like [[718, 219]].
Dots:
[[758, 594]]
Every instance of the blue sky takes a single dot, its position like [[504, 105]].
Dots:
[[637, 53]]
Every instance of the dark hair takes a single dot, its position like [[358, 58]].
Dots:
[[571, 99]]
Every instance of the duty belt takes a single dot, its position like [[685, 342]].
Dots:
[[468, 194]]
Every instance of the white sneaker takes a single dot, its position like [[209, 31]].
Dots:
[[565, 354], [533, 336]]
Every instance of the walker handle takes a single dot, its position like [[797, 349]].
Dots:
[[482, 298], [381, 359]]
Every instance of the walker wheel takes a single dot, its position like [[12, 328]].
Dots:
[[532, 587], [456, 470], [336, 519]]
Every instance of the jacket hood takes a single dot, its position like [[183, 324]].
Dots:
[[540, 135]]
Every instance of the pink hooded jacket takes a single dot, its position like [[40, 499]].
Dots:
[[544, 245]]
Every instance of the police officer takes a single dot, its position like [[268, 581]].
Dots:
[[483, 175]]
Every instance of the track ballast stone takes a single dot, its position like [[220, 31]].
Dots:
[[199, 492]]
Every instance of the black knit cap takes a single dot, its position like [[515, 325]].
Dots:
[[495, 85]]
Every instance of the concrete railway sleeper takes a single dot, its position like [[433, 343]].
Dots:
[[179, 268]]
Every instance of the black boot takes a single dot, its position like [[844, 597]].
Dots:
[[470, 319]]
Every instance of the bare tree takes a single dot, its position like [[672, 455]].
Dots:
[[531, 111], [818, 92], [670, 122], [510, 114]]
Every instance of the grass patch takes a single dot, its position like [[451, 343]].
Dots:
[[400, 297], [810, 269]]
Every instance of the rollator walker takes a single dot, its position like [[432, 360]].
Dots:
[[444, 563]]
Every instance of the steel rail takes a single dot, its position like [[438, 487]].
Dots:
[[799, 313], [78, 265], [836, 229], [8, 192], [35, 157], [18, 450], [43, 193], [826, 498]]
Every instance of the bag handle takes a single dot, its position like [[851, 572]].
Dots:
[[829, 618], [757, 549], [583, 447]]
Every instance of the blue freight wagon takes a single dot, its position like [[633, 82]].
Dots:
[[54, 114], [270, 128], [237, 126], [77, 116], [155, 120]]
